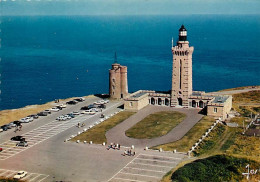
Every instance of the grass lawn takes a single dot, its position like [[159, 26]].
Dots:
[[247, 102], [97, 133], [184, 144], [240, 88], [155, 125]]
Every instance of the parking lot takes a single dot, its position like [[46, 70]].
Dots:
[[41, 134], [150, 167], [30, 177], [48, 158]]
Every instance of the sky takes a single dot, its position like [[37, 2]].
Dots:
[[127, 7]]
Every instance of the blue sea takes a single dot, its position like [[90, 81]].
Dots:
[[48, 57]]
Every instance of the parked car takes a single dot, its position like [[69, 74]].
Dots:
[[24, 120], [94, 110], [42, 114], [12, 124], [17, 123], [55, 109], [1, 130], [75, 113], [62, 105], [87, 107], [18, 138], [30, 119], [71, 115], [79, 99], [84, 108], [48, 111], [102, 106], [1, 149], [97, 103], [4, 127], [67, 117], [20, 175], [22, 144], [61, 118], [34, 116], [88, 112], [60, 108], [72, 102]]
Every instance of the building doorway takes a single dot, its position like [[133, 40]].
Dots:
[[159, 101], [166, 102], [180, 101], [193, 104], [201, 104], [152, 101]]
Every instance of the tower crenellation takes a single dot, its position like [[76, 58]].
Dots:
[[118, 85]]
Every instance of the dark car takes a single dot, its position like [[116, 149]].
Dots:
[[1, 149], [18, 138], [71, 115], [79, 99], [84, 108], [5, 127], [22, 144], [60, 108], [18, 123], [72, 102], [102, 106], [34, 116], [42, 114], [87, 107]]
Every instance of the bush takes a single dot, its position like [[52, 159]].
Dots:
[[215, 168]]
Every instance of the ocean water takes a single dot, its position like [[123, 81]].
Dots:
[[48, 57]]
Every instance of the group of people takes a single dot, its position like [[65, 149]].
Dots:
[[114, 146], [18, 128], [129, 152], [82, 125]]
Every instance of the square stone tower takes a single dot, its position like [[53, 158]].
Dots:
[[118, 86], [181, 70]]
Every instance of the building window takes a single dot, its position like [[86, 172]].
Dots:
[[113, 80], [113, 86], [215, 109], [131, 104]]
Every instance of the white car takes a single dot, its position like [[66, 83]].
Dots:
[[24, 120], [1, 130], [97, 103], [20, 175], [106, 101], [88, 112], [55, 109], [61, 118], [94, 110], [29, 119], [67, 117], [75, 113], [62, 105]]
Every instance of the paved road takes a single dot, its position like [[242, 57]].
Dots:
[[117, 134], [51, 159], [50, 155]]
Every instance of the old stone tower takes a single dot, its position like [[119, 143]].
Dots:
[[181, 70], [118, 86]]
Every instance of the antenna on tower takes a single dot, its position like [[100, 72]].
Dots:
[[115, 58], [172, 41]]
